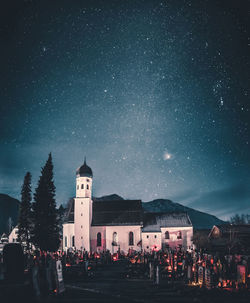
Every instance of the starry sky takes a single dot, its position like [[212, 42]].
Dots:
[[154, 93]]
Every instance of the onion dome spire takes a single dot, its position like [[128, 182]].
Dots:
[[84, 170]]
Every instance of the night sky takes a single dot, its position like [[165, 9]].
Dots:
[[154, 93]]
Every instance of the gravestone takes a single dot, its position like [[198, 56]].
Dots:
[[59, 277], [13, 262]]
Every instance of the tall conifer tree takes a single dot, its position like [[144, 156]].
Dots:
[[45, 233], [24, 220]]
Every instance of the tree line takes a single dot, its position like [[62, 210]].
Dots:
[[38, 222], [240, 219]]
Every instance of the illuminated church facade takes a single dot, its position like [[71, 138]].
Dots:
[[119, 225]]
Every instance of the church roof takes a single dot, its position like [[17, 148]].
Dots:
[[153, 222], [130, 212], [117, 212]]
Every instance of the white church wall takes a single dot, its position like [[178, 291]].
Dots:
[[83, 217], [173, 241], [93, 236], [123, 238], [68, 234], [83, 187], [151, 241]]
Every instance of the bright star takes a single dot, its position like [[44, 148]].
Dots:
[[167, 156], [221, 101]]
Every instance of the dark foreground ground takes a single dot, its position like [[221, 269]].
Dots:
[[109, 285]]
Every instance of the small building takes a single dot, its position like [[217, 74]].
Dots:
[[13, 236], [230, 238]]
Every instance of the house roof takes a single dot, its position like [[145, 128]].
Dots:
[[155, 221], [117, 212]]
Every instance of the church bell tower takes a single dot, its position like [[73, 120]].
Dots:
[[83, 207]]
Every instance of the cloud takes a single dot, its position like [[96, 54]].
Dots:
[[185, 196], [224, 202]]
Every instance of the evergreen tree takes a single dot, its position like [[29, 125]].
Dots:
[[10, 225], [60, 215], [24, 220], [240, 219], [45, 234]]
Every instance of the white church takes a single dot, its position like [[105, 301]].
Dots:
[[120, 224]]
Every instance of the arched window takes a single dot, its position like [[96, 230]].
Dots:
[[115, 238], [65, 242], [82, 186], [73, 241], [99, 239], [179, 236], [166, 235], [131, 238], [87, 186]]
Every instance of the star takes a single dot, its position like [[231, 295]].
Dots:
[[221, 101], [167, 156], [157, 104]]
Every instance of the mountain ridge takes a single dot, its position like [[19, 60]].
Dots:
[[9, 208], [199, 219]]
